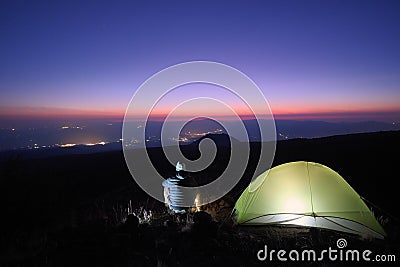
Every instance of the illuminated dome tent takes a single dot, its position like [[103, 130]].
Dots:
[[306, 194]]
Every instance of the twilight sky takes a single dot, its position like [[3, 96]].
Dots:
[[312, 59]]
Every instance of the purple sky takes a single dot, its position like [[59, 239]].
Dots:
[[312, 59]]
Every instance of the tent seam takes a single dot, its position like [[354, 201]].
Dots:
[[309, 184]]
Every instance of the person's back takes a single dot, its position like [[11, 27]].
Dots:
[[172, 192]]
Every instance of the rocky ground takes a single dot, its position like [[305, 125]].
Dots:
[[187, 240]]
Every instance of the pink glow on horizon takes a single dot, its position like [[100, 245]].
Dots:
[[382, 114]]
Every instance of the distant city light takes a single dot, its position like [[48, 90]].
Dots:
[[93, 144], [283, 135], [72, 127], [67, 145]]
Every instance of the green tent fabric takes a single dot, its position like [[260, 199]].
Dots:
[[306, 194]]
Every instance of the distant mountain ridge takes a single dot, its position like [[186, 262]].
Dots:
[[311, 129], [219, 139]]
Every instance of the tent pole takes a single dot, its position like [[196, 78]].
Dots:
[[226, 218]]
